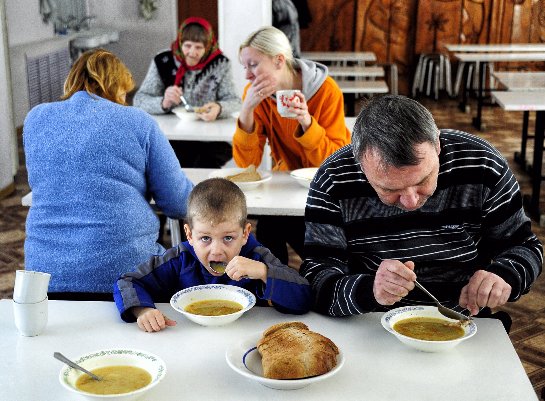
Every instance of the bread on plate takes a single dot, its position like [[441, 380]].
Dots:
[[291, 351]]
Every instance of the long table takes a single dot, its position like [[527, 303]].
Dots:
[[281, 195], [529, 101], [487, 58], [341, 57], [522, 81], [377, 366], [496, 47], [177, 130]]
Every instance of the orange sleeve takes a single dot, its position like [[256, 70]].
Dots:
[[248, 146], [327, 132]]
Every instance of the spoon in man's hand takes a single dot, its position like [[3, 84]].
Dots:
[[443, 310], [74, 365]]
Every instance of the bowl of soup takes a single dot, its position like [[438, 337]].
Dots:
[[304, 176], [213, 304], [425, 329], [127, 374]]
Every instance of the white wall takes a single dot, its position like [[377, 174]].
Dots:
[[237, 19], [25, 23], [7, 131], [139, 39]]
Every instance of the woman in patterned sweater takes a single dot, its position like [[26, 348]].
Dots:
[[406, 200], [196, 68]]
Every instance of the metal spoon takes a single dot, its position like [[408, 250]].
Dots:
[[443, 310], [64, 359], [218, 267], [187, 107]]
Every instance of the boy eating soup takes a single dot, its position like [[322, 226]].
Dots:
[[218, 233]]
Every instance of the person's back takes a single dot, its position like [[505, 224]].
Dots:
[[93, 166]]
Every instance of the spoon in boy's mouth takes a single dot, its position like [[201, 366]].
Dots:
[[218, 267]]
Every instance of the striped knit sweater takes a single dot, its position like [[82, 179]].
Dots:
[[473, 221]]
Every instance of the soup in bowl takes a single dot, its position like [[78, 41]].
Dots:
[[213, 304], [425, 329], [127, 374]]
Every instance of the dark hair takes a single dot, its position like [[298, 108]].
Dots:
[[215, 200], [196, 33], [392, 125]]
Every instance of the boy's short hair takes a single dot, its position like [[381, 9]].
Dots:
[[216, 200]]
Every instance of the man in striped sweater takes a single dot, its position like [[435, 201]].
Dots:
[[406, 200]]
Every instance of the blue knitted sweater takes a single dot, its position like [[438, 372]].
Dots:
[[93, 166]]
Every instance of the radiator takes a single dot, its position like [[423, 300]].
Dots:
[[46, 74]]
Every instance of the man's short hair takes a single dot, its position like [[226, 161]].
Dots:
[[392, 125], [216, 200]]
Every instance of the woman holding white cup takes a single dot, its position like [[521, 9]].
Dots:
[[315, 129]]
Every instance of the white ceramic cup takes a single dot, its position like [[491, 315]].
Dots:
[[30, 286], [282, 99], [30, 318]]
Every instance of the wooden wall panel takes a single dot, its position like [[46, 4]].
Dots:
[[332, 26], [399, 30]]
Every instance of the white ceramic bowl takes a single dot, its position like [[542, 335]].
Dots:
[[244, 358], [112, 357], [182, 299], [184, 115], [304, 176], [391, 317], [247, 185]]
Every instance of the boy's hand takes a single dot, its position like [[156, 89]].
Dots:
[[240, 267], [150, 319]]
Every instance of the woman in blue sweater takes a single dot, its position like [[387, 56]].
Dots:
[[93, 166], [218, 232]]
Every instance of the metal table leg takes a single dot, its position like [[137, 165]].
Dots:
[[537, 164]]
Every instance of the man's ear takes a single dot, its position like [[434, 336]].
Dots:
[[188, 235]]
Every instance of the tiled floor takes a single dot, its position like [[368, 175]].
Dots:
[[502, 129]]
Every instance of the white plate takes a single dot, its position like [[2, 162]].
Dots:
[[304, 176], [184, 115], [244, 359], [225, 172]]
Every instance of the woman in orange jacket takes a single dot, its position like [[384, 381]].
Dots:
[[306, 140]]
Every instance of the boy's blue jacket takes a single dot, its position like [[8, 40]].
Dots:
[[178, 268]]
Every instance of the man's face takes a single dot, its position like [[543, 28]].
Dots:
[[219, 242], [409, 187]]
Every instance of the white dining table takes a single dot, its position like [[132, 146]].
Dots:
[[495, 47], [282, 195], [527, 81], [177, 130], [341, 57], [377, 366], [488, 58], [356, 71], [530, 101]]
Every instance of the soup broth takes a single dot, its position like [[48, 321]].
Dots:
[[213, 307], [429, 329], [115, 380]]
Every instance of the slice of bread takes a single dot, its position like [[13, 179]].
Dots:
[[291, 351], [248, 175]]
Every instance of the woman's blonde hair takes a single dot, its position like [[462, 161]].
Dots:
[[101, 73], [271, 42]]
